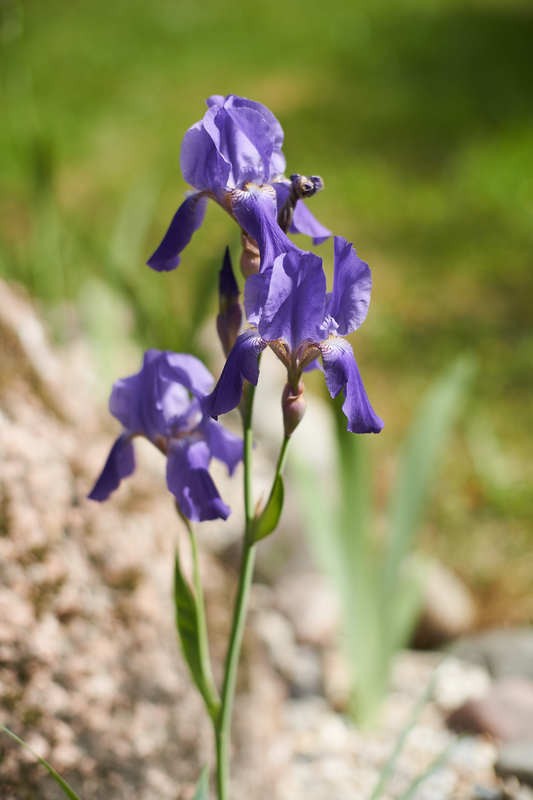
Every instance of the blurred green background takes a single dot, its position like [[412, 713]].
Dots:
[[417, 114]]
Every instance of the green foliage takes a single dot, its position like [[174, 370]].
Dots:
[[378, 587], [202, 787], [268, 519], [67, 790], [189, 621]]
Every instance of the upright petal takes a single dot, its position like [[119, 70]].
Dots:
[[202, 163], [191, 484], [295, 303], [224, 446], [190, 372], [255, 209], [352, 283], [120, 463], [342, 373], [242, 364], [185, 222]]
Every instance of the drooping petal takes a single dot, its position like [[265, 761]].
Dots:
[[352, 284], [185, 222], [255, 292], [242, 364], [303, 221], [224, 446], [295, 302], [255, 209], [189, 481], [120, 463], [342, 373]]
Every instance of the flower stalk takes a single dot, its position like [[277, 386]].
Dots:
[[223, 722]]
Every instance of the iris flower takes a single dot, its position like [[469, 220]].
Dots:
[[163, 403], [301, 322], [233, 156]]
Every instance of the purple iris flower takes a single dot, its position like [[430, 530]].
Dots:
[[301, 322], [233, 156], [164, 403]]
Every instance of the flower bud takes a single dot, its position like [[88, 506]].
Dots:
[[229, 318], [293, 407]]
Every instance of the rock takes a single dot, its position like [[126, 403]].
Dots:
[[505, 712], [503, 652], [312, 606], [515, 759], [448, 609]]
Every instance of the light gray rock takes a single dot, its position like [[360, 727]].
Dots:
[[503, 652], [515, 760]]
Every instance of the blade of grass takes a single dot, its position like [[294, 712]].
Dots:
[[68, 791], [433, 767], [388, 768]]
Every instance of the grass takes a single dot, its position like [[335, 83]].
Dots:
[[418, 116]]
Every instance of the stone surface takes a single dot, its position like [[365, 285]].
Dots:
[[515, 759], [448, 609], [503, 652], [90, 671], [505, 712]]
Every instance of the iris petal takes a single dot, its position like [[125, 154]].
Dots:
[[187, 219], [191, 484], [342, 373], [255, 209], [223, 445], [120, 463], [242, 364], [352, 284], [303, 221]]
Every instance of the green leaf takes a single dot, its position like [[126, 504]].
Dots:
[[189, 631], [67, 790], [419, 458], [202, 787], [268, 520]]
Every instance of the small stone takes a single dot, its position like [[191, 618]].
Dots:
[[515, 759], [448, 609], [505, 712], [311, 605], [503, 652]]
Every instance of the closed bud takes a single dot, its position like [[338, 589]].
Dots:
[[229, 319], [293, 407]]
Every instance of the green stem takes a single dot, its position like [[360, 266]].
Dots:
[[223, 724], [203, 639]]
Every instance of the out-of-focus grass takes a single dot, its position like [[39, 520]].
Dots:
[[417, 113]]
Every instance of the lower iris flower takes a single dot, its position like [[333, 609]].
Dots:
[[163, 402], [293, 314]]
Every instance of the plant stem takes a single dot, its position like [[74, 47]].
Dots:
[[203, 639], [223, 723]]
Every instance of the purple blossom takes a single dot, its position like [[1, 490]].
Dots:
[[301, 322], [233, 156], [164, 403]]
